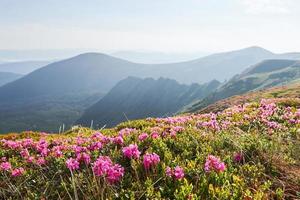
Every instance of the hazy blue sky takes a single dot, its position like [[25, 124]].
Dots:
[[155, 25]]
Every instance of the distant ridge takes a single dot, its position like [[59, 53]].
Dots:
[[22, 67], [135, 98], [59, 92], [263, 75], [269, 66], [6, 77]]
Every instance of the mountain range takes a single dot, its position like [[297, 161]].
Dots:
[[22, 67], [265, 74], [100, 72], [63, 91], [135, 98], [152, 57]]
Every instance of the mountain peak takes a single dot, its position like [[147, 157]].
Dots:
[[96, 57], [89, 55], [256, 49]]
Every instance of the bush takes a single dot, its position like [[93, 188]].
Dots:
[[249, 151]]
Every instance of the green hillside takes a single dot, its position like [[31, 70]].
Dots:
[[248, 151], [135, 98], [266, 74], [291, 90]]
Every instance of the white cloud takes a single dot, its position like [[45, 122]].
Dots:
[[266, 6]]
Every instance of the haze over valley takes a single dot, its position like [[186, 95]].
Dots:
[[99, 89]]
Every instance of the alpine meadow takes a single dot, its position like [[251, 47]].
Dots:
[[150, 100]]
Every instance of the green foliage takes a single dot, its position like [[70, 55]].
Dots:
[[267, 169]]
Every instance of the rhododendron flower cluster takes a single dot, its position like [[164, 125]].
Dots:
[[155, 135], [95, 146], [118, 140], [214, 164], [143, 136], [5, 166], [18, 172], [24, 153], [150, 160], [126, 131], [115, 162], [57, 151], [103, 167], [72, 164], [273, 125], [42, 147], [41, 161], [267, 108], [177, 172], [85, 157], [131, 151], [212, 123]]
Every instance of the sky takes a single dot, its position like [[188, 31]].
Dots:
[[150, 25]]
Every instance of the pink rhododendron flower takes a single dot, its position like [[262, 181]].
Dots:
[[177, 172], [131, 151], [273, 125], [169, 172], [30, 159], [173, 133], [10, 144], [95, 146], [178, 128], [126, 131], [41, 161], [28, 142], [72, 164], [41, 145], [44, 152], [57, 151], [118, 140], [82, 140], [17, 172], [115, 173], [238, 157], [79, 149], [24, 153], [150, 160], [143, 136], [226, 124], [85, 157], [155, 135], [212, 123], [103, 167], [97, 136], [105, 139], [5, 166], [214, 164]]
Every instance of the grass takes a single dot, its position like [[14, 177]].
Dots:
[[258, 143], [282, 92]]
